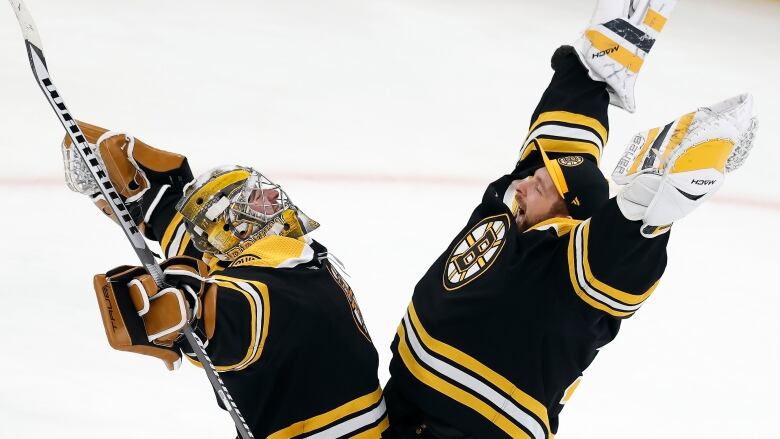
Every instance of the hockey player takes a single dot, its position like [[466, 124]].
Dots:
[[503, 324], [280, 323]]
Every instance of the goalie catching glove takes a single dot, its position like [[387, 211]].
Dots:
[[617, 41], [139, 172], [669, 171], [138, 316]]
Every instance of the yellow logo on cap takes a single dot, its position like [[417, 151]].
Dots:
[[571, 161]]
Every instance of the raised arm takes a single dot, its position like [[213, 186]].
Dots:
[[600, 69], [571, 117], [617, 257], [612, 267]]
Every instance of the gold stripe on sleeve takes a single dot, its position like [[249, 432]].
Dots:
[[184, 242], [563, 146], [170, 231], [570, 147], [582, 294], [574, 119], [249, 358], [599, 288], [627, 298]]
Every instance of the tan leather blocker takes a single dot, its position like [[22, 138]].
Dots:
[[125, 329], [140, 317]]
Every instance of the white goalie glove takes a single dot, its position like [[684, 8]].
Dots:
[[617, 41], [668, 171]]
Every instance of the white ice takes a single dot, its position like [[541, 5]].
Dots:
[[385, 120]]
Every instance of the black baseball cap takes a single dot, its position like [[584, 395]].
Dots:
[[579, 181]]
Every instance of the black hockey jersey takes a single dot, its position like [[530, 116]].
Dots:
[[502, 325], [290, 342]]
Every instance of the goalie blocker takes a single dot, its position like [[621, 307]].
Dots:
[[140, 317]]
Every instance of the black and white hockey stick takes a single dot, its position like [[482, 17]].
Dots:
[[41, 72]]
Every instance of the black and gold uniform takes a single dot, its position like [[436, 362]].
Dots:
[[503, 324], [289, 340]]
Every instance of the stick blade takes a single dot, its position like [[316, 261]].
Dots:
[[29, 29]]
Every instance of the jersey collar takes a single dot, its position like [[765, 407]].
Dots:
[[561, 226]]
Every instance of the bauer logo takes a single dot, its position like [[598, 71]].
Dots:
[[637, 143], [475, 252]]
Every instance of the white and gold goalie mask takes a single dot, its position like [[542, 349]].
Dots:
[[229, 208]]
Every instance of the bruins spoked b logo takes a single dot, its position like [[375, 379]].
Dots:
[[476, 251]]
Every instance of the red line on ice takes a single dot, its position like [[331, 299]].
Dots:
[[732, 200]]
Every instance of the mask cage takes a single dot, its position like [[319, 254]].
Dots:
[[257, 203]]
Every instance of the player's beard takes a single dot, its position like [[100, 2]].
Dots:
[[521, 220], [525, 221]]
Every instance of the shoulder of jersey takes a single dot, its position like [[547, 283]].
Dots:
[[275, 252], [561, 226]]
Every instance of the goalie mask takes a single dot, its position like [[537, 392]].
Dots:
[[229, 208]]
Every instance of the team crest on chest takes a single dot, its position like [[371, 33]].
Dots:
[[475, 252]]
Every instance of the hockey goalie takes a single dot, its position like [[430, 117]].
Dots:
[[279, 321]]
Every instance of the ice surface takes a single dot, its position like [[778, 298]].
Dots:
[[384, 120]]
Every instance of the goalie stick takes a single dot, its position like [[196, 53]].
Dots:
[[41, 73]]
